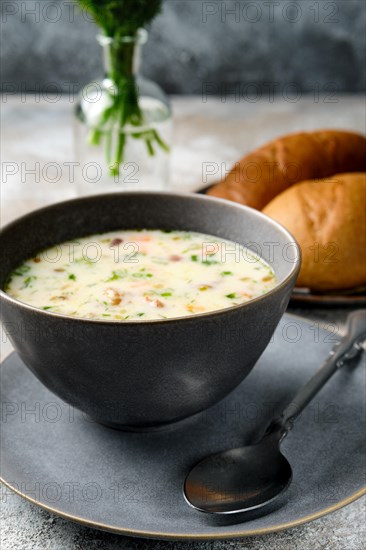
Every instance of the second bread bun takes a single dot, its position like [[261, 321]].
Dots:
[[258, 177], [328, 219]]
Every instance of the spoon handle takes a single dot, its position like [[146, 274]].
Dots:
[[344, 351]]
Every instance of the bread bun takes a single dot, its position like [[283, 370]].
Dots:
[[258, 177], [328, 219]]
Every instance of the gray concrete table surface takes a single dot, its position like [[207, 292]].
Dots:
[[36, 132]]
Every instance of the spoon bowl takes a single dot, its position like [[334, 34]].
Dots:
[[238, 480]]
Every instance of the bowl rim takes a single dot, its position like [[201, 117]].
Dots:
[[294, 271]]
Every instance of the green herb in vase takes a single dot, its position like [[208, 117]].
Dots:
[[120, 117]]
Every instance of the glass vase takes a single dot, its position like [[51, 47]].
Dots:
[[123, 125]]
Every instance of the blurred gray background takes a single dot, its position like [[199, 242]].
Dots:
[[288, 47]]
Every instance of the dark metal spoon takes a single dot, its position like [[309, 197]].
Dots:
[[249, 477]]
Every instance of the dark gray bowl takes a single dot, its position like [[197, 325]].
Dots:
[[141, 374]]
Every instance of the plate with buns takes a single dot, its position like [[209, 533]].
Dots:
[[314, 184]]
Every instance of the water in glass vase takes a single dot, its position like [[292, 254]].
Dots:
[[123, 125]]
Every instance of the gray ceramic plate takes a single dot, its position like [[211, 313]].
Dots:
[[352, 297], [131, 483]]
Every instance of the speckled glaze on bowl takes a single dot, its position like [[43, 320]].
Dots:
[[142, 374]]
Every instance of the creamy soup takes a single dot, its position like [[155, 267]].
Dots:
[[137, 275]]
